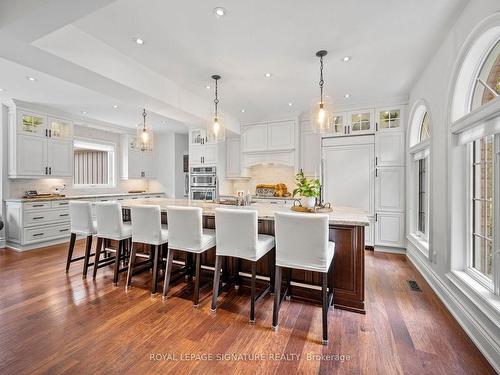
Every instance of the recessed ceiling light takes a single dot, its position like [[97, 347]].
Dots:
[[268, 75], [207, 87], [30, 78], [115, 106], [84, 112], [243, 110], [290, 104], [2, 89], [346, 58], [347, 96], [219, 12], [139, 41]]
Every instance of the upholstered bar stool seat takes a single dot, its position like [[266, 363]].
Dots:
[[80, 213], [146, 229], [302, 243], [110, 226], [186, 233], [236, 232]]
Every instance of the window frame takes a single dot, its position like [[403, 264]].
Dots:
[[423, 235], [99, 145]]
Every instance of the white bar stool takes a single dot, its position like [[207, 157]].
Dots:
[[302, 243], [186, 233], [110, 226], [80, 215], [146, 229], [237, 236]]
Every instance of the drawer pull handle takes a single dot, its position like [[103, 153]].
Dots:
[[63, 214], [63, 230], [62, 204], [38, 217], [38, 234], [38, 205]]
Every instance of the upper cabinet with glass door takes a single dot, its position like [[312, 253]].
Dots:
[[389, 119], [31, 123], [59, 128], [361, 122]]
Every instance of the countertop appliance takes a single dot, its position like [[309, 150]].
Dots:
[[203, 183]]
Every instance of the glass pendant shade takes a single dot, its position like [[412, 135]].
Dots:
[[216, 129], [144, 136], [322, 116]]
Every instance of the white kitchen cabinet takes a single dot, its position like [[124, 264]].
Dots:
[[31, 158], [210, 156], [31, 123], [389, 189], [136, 163], [60, 158], [59, 128], [203, 155], [370, 232], [361, 122], [390, 149], [389, 119], [233, 157], [254, 137], [281, 135], [310, 153], [389, 229]]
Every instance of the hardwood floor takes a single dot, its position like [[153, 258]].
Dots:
[[55, 323]]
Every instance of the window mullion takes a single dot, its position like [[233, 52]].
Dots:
[[496, 210]]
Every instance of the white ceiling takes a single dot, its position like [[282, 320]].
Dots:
[[90, 46]]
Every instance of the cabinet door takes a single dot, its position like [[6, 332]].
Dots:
[[60, 158], [370, 232], [361, 122], [310, 153], [30, 123], [31, 155], [196, 154], [389, 189], [210, 155], [233, 157], [134, 164], [389, 119], [339, 124], [389, 229], [148, 165], [59, 128], [197, 137], [390, 149], [281, 135], [255, 138]]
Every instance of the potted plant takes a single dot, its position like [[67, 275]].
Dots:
[[307, 189]]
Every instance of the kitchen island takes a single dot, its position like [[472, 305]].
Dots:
[[346, 229]]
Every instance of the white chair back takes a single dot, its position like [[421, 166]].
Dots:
[[109, 220], [236, 232], [146, 224], [302, 241], [185, 227], [80, 215]]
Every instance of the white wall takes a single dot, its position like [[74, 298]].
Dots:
[[434, 87], [181, 148], [4, 116], [164, 148]]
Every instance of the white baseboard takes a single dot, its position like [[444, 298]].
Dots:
[[391, 250], [2, 243], [35, 246], [461, 310]]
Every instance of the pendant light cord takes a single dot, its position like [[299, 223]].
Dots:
[[321, 81], [216, 100], [144, 116]]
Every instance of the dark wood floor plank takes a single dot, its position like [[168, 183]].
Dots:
[[57, 323]]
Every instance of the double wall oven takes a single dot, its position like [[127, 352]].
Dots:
[[203, 183]]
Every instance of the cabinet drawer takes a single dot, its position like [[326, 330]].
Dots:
[[56, 204], [36, 205], [46, 232], [33, 218]]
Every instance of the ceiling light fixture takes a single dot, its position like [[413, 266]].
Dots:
[[219, 12], [216, 128], [347, 96], [290, 104], [115, 106], [207, 87], [30, 78], [84, 112], [138, 41], [2, 89], [321, 114], [243, 110], [144, 135], [346, 58], [268, 75]]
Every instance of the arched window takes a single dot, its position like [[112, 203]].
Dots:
[[475, 113], [419, 176]]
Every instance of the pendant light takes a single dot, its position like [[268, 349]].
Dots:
[[216, 128], [322, 120], [144, 135]]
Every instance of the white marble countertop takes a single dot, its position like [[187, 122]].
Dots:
[[340, 215], [83, 196]]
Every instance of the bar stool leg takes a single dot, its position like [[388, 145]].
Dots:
[[131, 264], [215, 292], [288, 284], [277, 297], [271, 258], [237, 274], [196, 296], [88, 248], [168, 272], [325, 308], [154, 281], [97, 255], [252, 298], [117, 263], [72, 240]]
